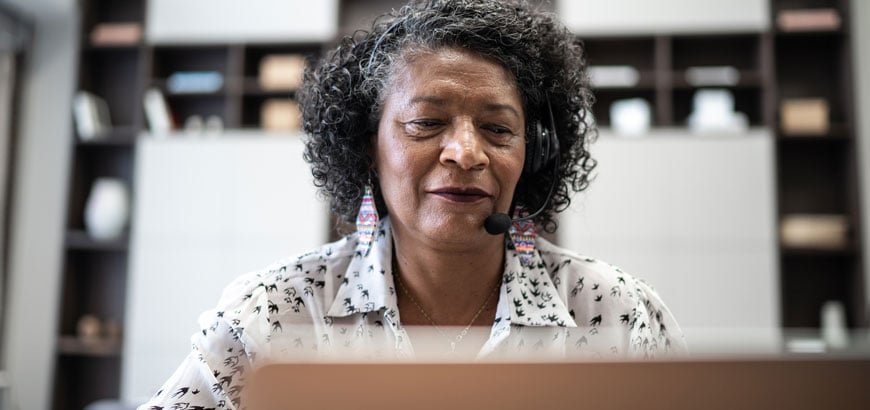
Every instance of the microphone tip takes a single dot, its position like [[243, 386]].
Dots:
[[497, 223]]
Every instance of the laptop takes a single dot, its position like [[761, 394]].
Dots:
[[802, 382]]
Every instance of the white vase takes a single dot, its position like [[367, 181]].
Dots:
[[107, 209]]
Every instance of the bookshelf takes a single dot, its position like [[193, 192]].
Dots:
[[816, 174]]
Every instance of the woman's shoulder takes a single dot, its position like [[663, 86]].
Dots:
[[602, 294], [565, 265], [306, 269]]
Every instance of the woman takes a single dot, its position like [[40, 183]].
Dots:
[[428, 132]]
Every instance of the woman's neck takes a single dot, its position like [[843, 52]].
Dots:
[[449, 284]]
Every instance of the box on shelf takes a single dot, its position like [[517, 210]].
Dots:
[[280, 115], [805, 116], [281, 71], [108, 34], [823, 19], [815, 231]]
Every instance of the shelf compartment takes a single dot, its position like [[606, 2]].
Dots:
[[746, 101], [813, 179], [738, 51], [112, 73], [94, 284], [604, 98], [814, 67], [183, 106], [108, 161], [170, 59], [638, 52], [810, 280], [82, 380]]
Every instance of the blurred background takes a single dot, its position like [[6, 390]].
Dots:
[[150, 152]]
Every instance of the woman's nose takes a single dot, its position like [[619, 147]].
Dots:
[[464, 147]]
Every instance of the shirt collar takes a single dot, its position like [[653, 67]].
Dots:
[[530, 294], [367, 285], [527, 292]]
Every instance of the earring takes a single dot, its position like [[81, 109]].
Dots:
[[523, 236], [366, 222]]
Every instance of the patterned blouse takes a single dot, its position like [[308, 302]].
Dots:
[[334, 301]]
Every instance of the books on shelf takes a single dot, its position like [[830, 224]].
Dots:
[[815, 231], [280, 115], [281, 71], [189, 82], [805, 116], [614, 76], [115, 34], [91, 115], [157, 112], [822, 19], [726, 76]]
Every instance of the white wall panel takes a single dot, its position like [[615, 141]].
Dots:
[[692, 215], [622, 17], [206, 211], [234, 21]]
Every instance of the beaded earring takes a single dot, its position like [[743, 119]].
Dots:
[[523, 236], [366, 222]]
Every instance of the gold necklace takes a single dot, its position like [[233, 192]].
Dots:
[[455, 340]]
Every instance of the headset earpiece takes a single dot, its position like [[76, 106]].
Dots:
[[541, 147]]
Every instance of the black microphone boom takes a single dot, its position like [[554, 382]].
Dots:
[[499, 223]]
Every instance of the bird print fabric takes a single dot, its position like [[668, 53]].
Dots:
[[337, 302]]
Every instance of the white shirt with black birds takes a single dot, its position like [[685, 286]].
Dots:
[[336, 301]]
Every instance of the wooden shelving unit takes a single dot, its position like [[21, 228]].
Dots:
[[815, 174]]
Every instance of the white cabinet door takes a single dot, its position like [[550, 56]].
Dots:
[[205, 212], [235, 21], [695, 217], [595, 17]]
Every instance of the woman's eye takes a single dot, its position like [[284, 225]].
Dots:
[[499, 130], [420, 126], [425, 123]]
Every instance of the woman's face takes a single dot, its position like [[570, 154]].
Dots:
[[450, 145]]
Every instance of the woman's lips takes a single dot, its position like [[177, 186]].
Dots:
[[464, 195]]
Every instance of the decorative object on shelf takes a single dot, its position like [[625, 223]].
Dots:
[[214, 125], [833, 319], [91, 114], [281, 71], [193, 124], [630, 117], [190, 82], [280, 115], [815, 231], [614, 76], [721, 76], [821, 19], [157, 112], [107, 209], [805, 116], [88, 329], [116, 34], [713, 111]]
